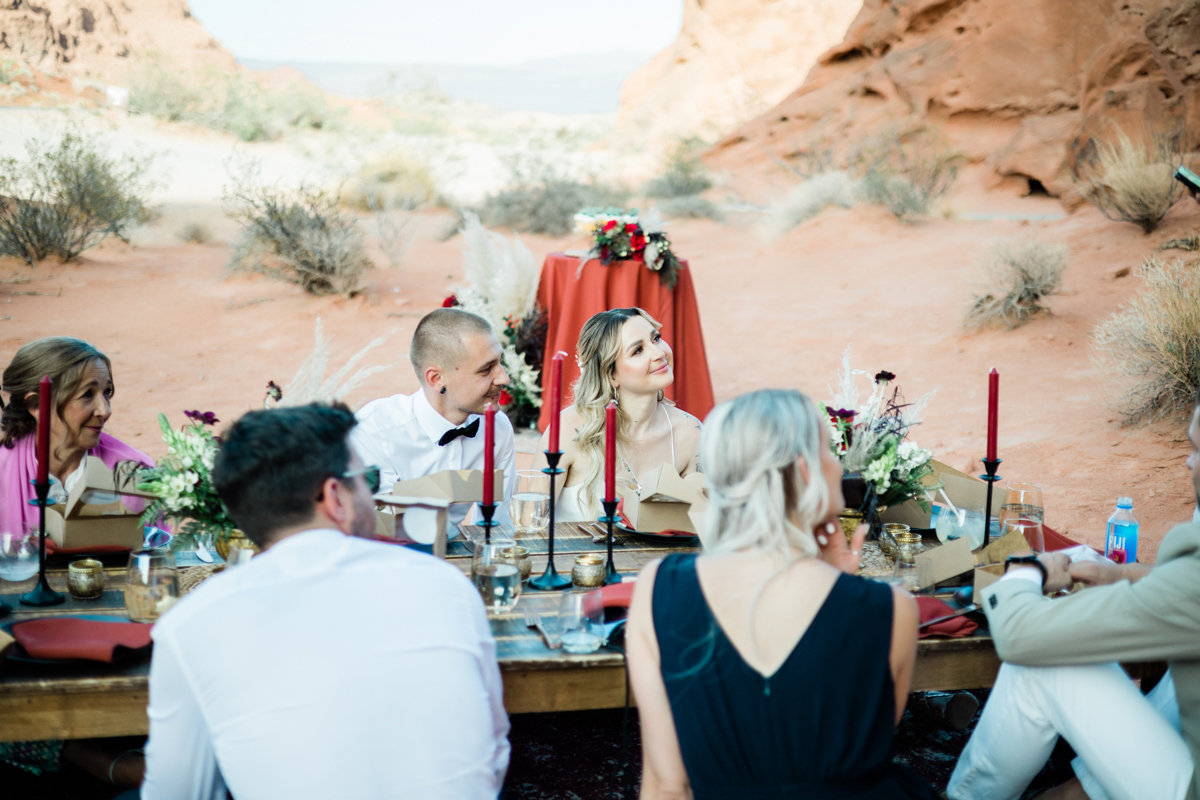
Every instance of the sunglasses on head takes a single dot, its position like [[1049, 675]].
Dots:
[[369, 474]]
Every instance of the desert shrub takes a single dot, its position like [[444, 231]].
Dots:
[[302, 237], [194, 232], [907, 173], [67, 196], [390, 181], [1154, 342], [685, 173], [395, 225], [546, 205], [690, 207], [1022, 272], [807, 200], [1131, 182], [157, 89]]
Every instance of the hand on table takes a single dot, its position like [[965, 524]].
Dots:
[[834, 550], [1058, 576], [1097, 573]]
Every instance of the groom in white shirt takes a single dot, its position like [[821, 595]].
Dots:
[[456, 356]]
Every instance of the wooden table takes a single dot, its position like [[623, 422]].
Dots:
[[111, 701]]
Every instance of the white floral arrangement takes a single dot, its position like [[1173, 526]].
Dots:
[[871, 438], [182, 480]]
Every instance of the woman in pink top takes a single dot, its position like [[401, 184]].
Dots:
[[82, 406]]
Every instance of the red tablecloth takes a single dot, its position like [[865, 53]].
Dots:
[[570, 301]]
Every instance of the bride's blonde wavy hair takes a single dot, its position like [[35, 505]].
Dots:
[[598, 349], [757, 498]]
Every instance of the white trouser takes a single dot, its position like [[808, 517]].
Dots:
[[1128, 746]]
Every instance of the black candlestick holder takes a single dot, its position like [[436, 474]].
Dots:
[[609, 519], [488, 512], [42, 595], [550, 579], [991, 465]]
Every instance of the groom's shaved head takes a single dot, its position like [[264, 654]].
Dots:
[[440, 338]]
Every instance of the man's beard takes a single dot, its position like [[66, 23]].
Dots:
[[364, 521]]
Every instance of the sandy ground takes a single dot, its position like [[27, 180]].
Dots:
[[185, 335]]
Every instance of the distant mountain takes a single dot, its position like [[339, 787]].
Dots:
[[589, 83]]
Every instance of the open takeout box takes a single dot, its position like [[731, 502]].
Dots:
[[665, 502], [418, 508], [961, 488], [94, 513]]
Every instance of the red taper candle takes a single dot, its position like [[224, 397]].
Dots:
[[43, 432], [489, 454], [555, 398], [610, 451], [993, 412]]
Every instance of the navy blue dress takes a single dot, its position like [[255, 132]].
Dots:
[[820, 728]]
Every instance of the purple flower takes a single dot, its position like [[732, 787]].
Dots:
[[274, 392], [884, 376], [202, 417], [842, 413]]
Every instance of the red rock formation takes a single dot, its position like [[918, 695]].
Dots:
[[94, 39], [1049, 75]]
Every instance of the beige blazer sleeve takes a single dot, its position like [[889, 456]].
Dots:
[[1158, 618]]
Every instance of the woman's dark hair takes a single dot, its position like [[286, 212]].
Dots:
[[272, 464], [65, 360]]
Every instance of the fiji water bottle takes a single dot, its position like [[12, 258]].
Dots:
[[1122, 531]]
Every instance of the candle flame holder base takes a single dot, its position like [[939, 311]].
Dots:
[[550, 579], [991, 465], [42, 595], [488, 512], [610, 518]]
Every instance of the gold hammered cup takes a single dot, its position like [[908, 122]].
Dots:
[[588, 570], [85, 579]]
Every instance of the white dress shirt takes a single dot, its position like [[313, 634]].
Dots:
[[327, 667], [400, 435]]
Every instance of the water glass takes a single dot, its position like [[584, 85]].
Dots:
[[582, 619], [1023, 500], [151, 584], [1031, 529], [18, 557], [530, 503], [496, 573], [968, 522]]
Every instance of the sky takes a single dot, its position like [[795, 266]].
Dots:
[[436, 31]]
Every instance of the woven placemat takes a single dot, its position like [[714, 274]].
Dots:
[[192, 577]]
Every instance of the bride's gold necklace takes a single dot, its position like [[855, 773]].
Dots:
[[633, 474]]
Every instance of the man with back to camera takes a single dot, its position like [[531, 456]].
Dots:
[[329, 666], [456, 356], [1069, 683]]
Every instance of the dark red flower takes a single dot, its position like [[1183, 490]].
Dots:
[[637, 241], [608, 226], [640, 255], [505, 397], [841, 413], [884, 376], [630, 227], [202, 417], [274, 392], [450, 302]]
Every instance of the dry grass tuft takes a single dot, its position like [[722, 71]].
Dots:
[[806, 201], [194, 233], [1154, 342], [907, 173], [392, 181], [1022, 272], [1188, 243], [1130, 182]]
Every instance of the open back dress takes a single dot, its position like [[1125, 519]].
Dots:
[[819, 728]]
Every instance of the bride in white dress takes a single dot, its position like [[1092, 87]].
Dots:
[[622, 357]]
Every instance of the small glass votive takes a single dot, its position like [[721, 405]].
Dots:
[[151, 584], [85, 579], [887, 537], [588, 570], [520, 555]]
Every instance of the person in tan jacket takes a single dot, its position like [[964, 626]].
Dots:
[[1061, 674]]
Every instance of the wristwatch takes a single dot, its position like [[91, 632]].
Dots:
[[1032, 561]]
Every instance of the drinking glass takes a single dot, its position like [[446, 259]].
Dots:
[[18, 557], [582, 619], [496, 574], [1023, 500], [968, 522], [151, 585], [1031, 529], [530, 503]]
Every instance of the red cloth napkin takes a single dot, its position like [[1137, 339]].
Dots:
[[932, 608], [618, 595], [71, 638], [98, 549], [674, 533]]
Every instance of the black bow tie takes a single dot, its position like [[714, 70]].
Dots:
[[468, 431]]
